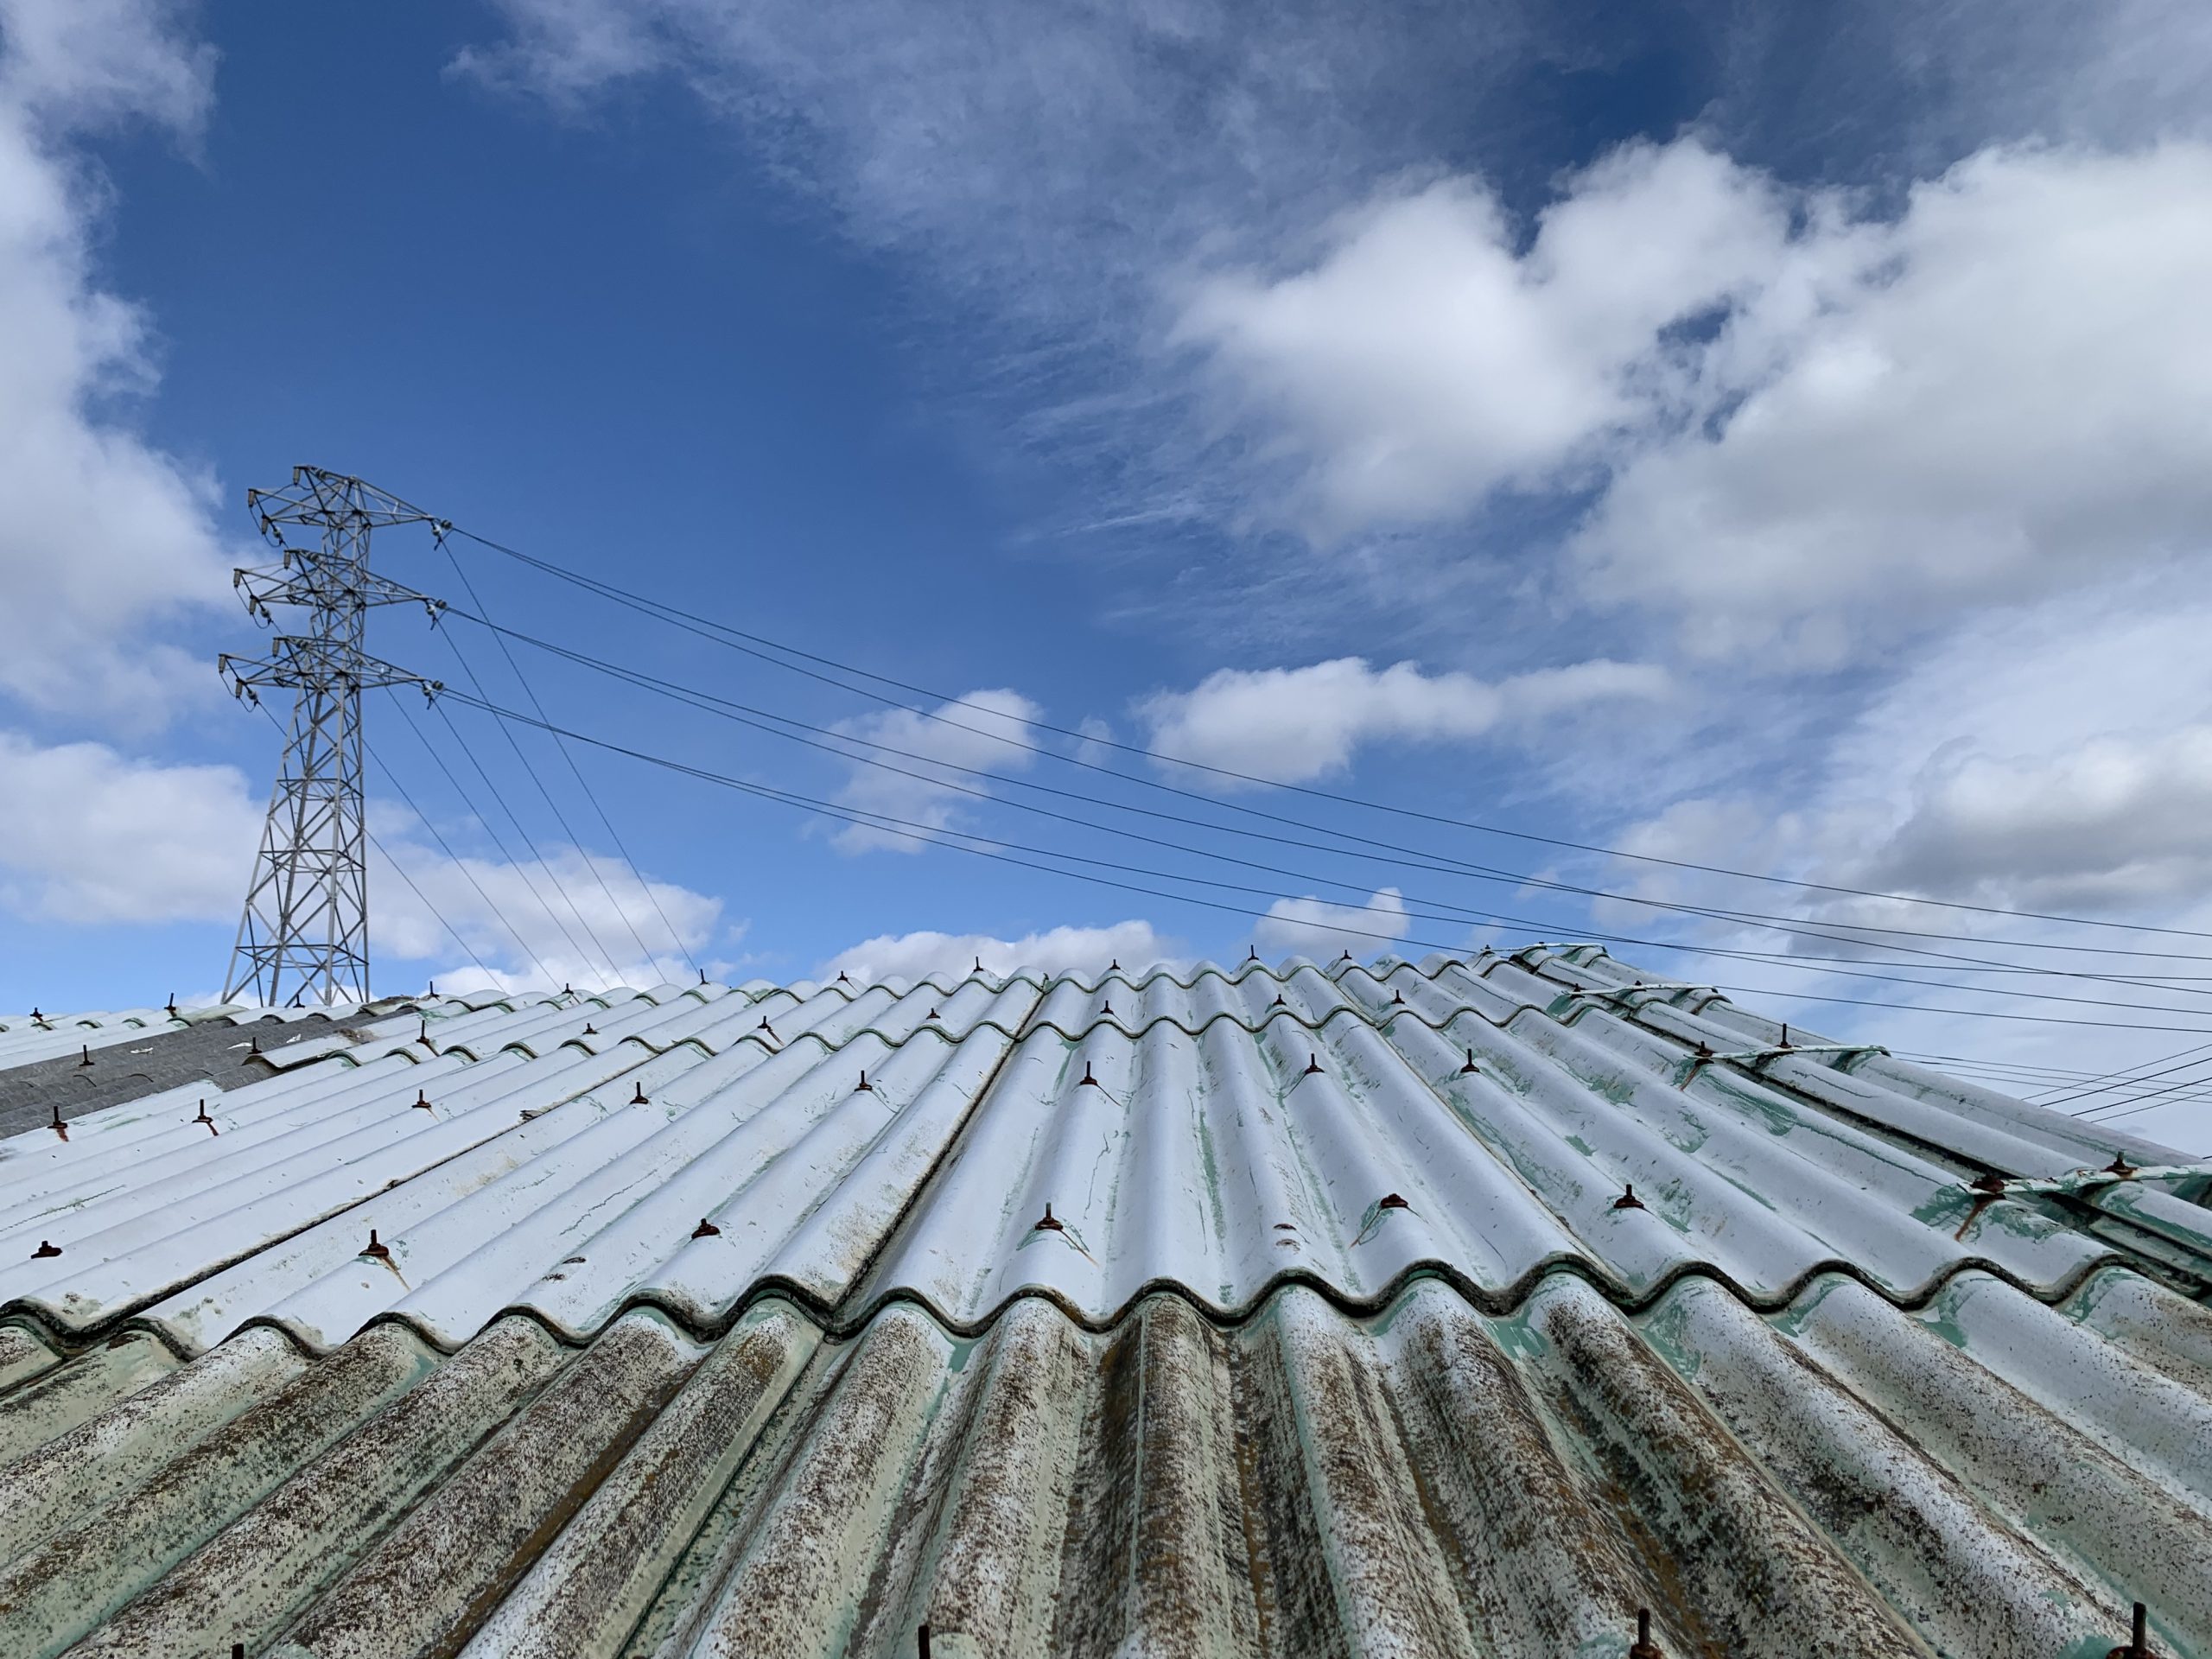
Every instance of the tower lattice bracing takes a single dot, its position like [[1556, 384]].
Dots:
[[305, 934]]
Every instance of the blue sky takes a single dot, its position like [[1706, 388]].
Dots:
[[1769, 438]]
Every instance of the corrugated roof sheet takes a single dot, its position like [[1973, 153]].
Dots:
[[1343, 1338]]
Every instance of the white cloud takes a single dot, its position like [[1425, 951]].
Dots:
[[1313, 927], [1290, 725], [1426, 359], [1135, 944], [102, 533], [87, 835], [1806, 426], [1997, 394], [973, 731], [583, 916]]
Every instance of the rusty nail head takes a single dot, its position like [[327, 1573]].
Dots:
[[1989, 1182], [1704, 1051], [1628, 1200], [1645, 1648], [589, 1029], [421, 1099], [377, 1247], [1109, 1008], [1397, 999], [865, 1088], [931, 1014], [45, 1248], [1049, 1225], [86, 1051], [1313, 1063], [706, 1229], [638, 1099], [1392, 1201], [1470, 1065], [1087, 1078], [2120, 1167]]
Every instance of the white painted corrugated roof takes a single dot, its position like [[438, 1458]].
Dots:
[[1345, 1127], [1343, 1336]]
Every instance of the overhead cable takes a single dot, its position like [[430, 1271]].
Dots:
[[760, 646]]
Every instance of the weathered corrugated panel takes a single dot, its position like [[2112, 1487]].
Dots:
[[1840, 1475], [1220, 1134], [707, 1320]]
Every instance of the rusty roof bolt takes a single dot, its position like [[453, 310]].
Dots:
[[1470, 1065], [1988, 1181], [865, 1088], [1087, 1078], [2120, 1166], [86, 1051], [926, 1018], [1628, 1200], [1392, 1201], [2138, 1641], [377, 1247], [1704, 1050], [171, 1009], [1785, 1033], [979, 965], [45, 1250], [1049, 1225], [58, 1126], [255, 1044], [706, 1229], [1645, 1648], [204, 1118], [639, 1098], [765, 1025], [421, 1101], [590, 1030], [1313, 1064], [1106, 1009], [1278, 1002]]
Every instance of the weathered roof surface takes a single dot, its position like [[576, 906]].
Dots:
[[1342, 1342]]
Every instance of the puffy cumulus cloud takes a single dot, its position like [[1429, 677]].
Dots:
[[2050, 757], [89, 834], [1313, 927], [1135, 944], [102, 533], [577, 918], [921, 783], [1992, 394], [1290, 725], [1426, 359], [1802, 423]]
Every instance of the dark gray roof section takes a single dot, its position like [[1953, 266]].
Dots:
[[224, 1052]]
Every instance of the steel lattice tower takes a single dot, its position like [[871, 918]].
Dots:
[[305, 933]]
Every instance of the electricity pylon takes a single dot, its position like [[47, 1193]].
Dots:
[[305, 933]]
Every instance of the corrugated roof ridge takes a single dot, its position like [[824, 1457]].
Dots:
[[1814, 1282]]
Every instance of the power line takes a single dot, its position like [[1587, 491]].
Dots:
[[744, 714], [930, 834], [583, 784], [517, 865], [759, 646], [392, 779], [614, 972]]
